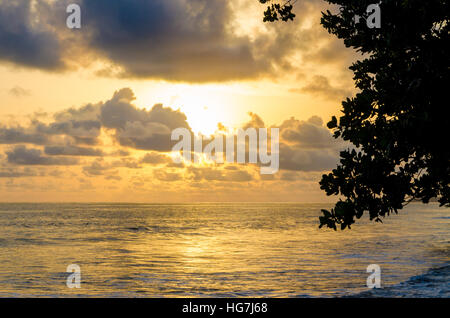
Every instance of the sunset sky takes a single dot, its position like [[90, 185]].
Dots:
[[86, 115]]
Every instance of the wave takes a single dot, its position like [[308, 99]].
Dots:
[[435, 283]]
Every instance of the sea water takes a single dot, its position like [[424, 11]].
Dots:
[[218, 250]]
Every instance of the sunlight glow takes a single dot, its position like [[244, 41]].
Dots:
[[204, 105]]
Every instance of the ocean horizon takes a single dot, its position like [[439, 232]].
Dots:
[[218, 250]]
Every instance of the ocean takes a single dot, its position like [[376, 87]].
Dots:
[[219, 250]]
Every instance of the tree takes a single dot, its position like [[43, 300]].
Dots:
[[396, 121], [275, 9]]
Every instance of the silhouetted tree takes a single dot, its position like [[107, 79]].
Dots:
[[275, 10], [396, 121]]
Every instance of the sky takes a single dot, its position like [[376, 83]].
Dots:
[[86, 114]]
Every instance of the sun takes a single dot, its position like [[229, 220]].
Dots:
[[205, 105]]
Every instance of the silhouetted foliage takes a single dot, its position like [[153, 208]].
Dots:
[[396, 121], [275, 10]]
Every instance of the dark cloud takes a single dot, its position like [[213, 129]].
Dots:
[[72, 151], [16, 135], [129, 163], [175, 40], [293, 158], [89, 112], [218, 174], [130, 127], [304, 145], [118, 113], [172, 164], [118, 153], [102, 167], [155, 158], [22, 155], [83, 129], [96, 168], [113, 177], [307, 145], [307, 134], [139, 128], [80, 126], [25, 40]]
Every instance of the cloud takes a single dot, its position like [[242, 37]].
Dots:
[[292, 158], [305, 145], [96, 168], [26, 41], [332, 51], [139, 128], [80, 126], [218, 174], [177, 40], [17, 173], [22, 155], [15, 135], [255, 122], [155, 158], [72, 151], [308, 145], [320, 86], [300, 176], [83, 125], [307, 134], [100, 167], [113, 177], [18, 91], [166, 176], [174, 40], [130, 127]]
